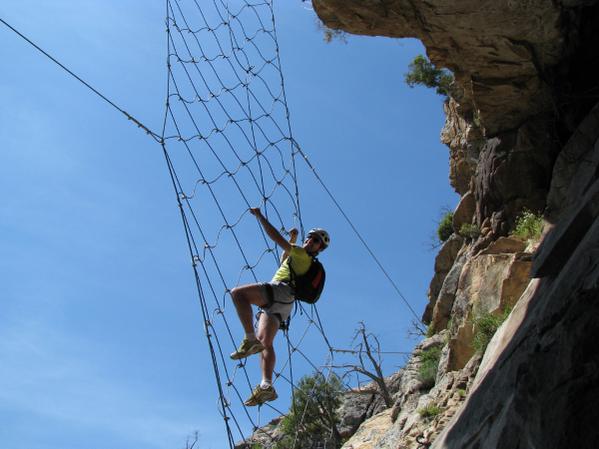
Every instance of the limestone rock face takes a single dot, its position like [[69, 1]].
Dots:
[[444, 301], [406, 425], [370, 432], [265, 436], [354, 411], [536, 385], [506, 245], [575, 165], [465, 141], [489, 283], [542, 364], [514, 172], [443, 264], [464, 212], [500, 126], [497, 50]]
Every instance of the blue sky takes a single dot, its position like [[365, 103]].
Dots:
[[101, 336]]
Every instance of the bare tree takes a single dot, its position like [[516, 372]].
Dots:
[[416, 330], [191, 442], [368, 352]]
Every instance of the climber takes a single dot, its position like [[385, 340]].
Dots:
[[275, 299]]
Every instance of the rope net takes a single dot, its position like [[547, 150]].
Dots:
[[228, 144]]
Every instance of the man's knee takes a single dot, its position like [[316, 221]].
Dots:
[[267, 343], [267, 330], [250, 293], [266, 339], [239, 294]]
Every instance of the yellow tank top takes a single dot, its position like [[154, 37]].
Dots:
[[300, 260]]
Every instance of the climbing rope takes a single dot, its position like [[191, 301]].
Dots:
[[81, 80]]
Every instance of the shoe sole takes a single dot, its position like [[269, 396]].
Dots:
[[238, 355], [249, 403]]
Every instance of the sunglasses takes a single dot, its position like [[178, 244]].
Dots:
[[314, 237]]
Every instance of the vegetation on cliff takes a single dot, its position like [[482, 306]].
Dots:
[[312, 417], [445, 228], [485, 327], [430, 363], [423, 72], [529, 226]]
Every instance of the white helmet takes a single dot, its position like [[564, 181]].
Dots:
[[324, 236]]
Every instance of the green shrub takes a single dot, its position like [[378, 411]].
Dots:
[[528, 225], [429, 411], [430, 331], [445, 228], [429, 364], [312, 417], [423, 72], [469, 231], [485, 327]]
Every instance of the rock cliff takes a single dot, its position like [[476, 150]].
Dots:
[[522, 128], [522, 132]]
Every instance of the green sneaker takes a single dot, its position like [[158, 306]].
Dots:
[[247, 348], [261, 395]]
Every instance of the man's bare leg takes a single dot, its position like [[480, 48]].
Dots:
[[267, 329], [243, 298]]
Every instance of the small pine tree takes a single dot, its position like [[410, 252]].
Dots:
[[423, 72], [445, 228], [312, 417]]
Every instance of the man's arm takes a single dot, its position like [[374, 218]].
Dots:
[[292, 239], [270, 230]]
